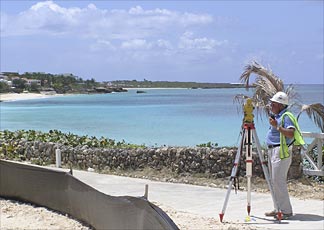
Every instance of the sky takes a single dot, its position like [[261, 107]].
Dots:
[[200, 41]]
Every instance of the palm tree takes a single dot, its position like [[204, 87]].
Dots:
[[266, 85]]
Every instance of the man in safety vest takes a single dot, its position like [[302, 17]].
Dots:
[[283, 133]]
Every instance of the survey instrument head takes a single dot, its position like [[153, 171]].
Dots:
[[248, 111]]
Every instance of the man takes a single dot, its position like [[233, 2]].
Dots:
[[283, 133]]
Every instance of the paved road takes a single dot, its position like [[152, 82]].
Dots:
[[208, 202]]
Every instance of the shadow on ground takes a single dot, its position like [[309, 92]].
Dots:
[[306, 217]]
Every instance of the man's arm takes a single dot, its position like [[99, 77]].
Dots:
[[287, 132], [288, 128]]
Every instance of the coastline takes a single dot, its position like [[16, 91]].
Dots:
[[4, 97]]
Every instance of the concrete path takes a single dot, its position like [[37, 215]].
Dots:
[[208, 202]]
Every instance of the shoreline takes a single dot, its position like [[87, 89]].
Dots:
[[6, 97]]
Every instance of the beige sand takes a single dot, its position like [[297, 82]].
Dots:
[[23, 96], [17, 215]]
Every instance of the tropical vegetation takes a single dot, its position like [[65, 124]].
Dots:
[[60, 83], [172, 84], [68, 139]]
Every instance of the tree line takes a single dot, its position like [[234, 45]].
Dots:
[[58, 83]]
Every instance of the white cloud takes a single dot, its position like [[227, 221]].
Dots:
[[135, 32], [92, 6], [187, 41], [164, 44], [50, 18], [192, 19], [138, 10], [42, 18], [136, 44], [102, 45]]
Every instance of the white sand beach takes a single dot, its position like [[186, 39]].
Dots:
[[24, 96]]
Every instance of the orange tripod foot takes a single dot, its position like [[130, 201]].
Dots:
[[221, 215]]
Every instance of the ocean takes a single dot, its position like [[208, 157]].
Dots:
[[159, 117]]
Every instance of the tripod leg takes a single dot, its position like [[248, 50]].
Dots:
[[249, 168], [266, 173], [233, 175]]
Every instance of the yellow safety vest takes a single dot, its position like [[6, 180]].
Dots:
[[297, 136]]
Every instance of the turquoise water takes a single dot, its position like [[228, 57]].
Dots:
[[172, 117]]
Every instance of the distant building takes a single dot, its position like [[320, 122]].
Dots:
[[32, 81], [6, 81], [15, 78], [66, 75], [10, 73], [3, 77], [35, 73]]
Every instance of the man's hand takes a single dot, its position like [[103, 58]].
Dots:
[[273, 122]]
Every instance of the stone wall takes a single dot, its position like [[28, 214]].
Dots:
[[212, 162]]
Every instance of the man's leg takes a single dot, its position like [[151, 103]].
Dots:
[[279, 180]]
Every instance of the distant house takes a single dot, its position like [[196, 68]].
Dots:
[[67, 75], [6, 81], [15, 78], [3, 77], [32, 81], [35, 73]]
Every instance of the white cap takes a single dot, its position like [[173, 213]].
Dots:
[[281, 98]]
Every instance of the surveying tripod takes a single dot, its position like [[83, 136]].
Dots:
[[248, 135]]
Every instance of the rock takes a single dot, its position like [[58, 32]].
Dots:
[[90, 169]]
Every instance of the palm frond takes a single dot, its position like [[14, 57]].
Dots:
[[240, 99], [266, 85], [292, 95], [262, 73], [315, 112]]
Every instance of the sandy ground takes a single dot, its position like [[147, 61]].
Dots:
[[24, 96], [18, 215]]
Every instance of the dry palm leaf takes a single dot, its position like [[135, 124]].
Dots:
[[263, 73], [266, 85], [314, 112]]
